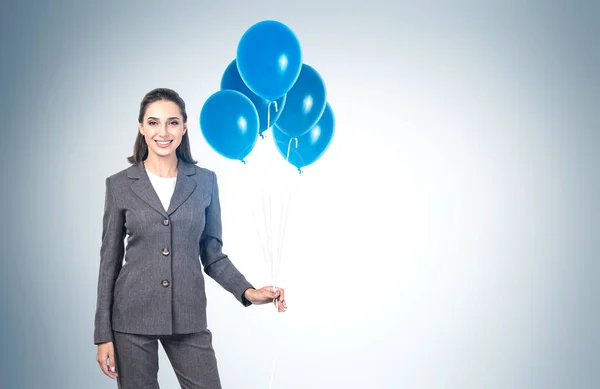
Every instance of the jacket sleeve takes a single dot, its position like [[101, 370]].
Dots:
[[111, 261], [217, 264]]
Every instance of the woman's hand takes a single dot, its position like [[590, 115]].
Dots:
[[266, 295], [107, 351]]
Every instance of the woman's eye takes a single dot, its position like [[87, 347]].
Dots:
[[175, 122], [152, 123]]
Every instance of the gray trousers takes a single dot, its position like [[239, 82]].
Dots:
[[191, 355]]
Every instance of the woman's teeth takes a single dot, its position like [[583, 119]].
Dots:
[[163, 143]]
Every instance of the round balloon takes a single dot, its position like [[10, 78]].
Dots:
[[311, 146], [304, 104], [269, 58], [268, 112], [229, 123]]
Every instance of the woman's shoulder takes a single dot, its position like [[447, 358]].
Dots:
[[202, 174], [201, 171], [124, 174]]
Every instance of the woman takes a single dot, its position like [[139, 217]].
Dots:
[[169, 209]]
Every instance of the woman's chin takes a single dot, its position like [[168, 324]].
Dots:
[[163, 152]]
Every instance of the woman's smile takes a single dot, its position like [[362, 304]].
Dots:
[[163, 143]]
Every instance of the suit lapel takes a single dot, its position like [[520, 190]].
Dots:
[[184, 186], [142, 187]]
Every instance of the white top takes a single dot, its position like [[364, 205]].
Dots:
[[164, 187]]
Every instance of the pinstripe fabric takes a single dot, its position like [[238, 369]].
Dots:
[[160, 289], [191, 355]]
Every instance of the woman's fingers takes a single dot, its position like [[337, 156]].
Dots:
[[268, 294], [106, 353], [275, 295], [283, 303], [112, 362], [279, 300], [104, 366]]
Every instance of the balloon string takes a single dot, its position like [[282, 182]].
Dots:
[[283, 216], [280, 239], [272, 372], [266, 239], [272, 369], [287, 158], [283, 221], [267, 206], [272, 245], [278, 260], [269, 115], [247, 191], [291, 186]]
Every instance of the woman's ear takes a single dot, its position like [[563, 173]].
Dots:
[[140, 129]]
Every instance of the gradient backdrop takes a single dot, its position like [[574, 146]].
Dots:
[[448, 238]]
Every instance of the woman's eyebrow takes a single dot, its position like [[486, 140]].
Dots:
[[172, 117]]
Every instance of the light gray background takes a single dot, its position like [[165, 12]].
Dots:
[[448, 238]]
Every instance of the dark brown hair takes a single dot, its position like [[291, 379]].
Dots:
[[140, 148]]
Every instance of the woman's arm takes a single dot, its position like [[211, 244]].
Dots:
[[217, 264], [111, 261]]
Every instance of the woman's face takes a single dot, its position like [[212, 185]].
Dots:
[[163, 127]]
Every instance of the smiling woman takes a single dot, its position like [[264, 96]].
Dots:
[[169, 210], [163, 135], [162, 106]]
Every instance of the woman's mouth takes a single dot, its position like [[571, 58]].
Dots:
[[163, 144]]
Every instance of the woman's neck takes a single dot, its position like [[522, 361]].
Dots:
[[162, 166]]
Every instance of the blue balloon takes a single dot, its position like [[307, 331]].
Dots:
[[304, 104], [268, 112], [311, 146], [269, 58], [229, 123]]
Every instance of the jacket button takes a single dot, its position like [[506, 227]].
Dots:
[[165, 251], [166, 222], [165, 283]]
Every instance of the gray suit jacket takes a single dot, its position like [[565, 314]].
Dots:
[[160, 289]]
